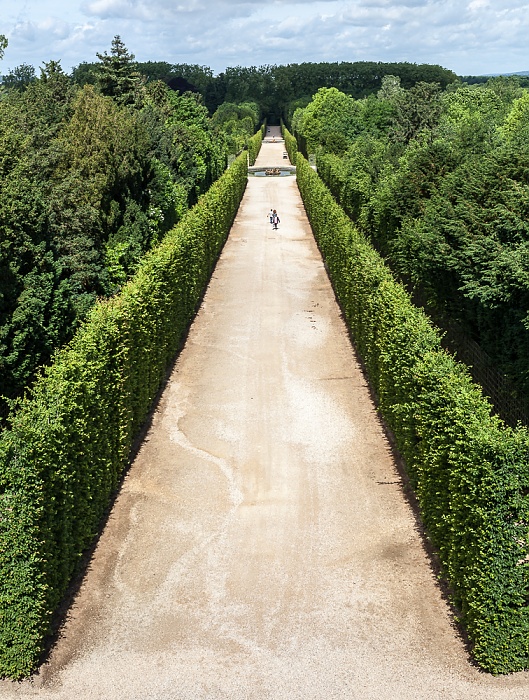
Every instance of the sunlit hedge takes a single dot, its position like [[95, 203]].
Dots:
[[470, 472], [291, 144], [70, 440], [254, 144]]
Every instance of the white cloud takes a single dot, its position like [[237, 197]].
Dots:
[[109, 8], [476, 36], [477, 5]]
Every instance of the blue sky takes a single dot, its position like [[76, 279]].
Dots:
[[467, 36]]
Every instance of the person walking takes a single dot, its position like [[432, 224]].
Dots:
[[271, 216], [275, 220]]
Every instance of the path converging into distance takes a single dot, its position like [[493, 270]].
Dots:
[[261, 546]]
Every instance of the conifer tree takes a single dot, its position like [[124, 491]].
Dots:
[[117, 75]]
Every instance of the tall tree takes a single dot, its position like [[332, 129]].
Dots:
[[416, 110], [331, 119], [117, 75]]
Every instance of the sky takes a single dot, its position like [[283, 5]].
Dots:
[[470, 37]]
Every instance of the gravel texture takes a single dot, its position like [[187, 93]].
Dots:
[[262, 546]]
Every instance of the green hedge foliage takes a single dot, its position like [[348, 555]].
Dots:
[[70, 439], [470, 472], [254, 144], [291, 144]]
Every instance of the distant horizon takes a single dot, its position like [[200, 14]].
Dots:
[[495, 75]]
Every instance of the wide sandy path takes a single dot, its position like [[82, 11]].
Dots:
[[261, 546]]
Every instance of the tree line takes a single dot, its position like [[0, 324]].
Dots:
[[278, 90], [438, 179]]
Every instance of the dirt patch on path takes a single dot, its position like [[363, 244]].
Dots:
[[261, 546]]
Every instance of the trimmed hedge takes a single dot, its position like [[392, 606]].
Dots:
[[470, 471], [254, 144], [70, 440], [290, 144]]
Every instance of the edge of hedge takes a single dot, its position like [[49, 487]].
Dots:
[[254, 144], [469, 470], [70, 440], [291, 144]]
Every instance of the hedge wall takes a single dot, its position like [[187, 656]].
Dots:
[[291, 144], [254, 144], [470, 471], [70, 440]]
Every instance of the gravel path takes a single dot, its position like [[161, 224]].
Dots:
[[261, 546]]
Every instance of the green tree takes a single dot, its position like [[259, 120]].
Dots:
[[28, 276], [444, 195], [20, 77], [471, 247], [87, 186], [236, 123], [416, 111], [117, 76], [99, 188], [390, 88], [515, 129], [199, 76], [3, 45], [470, 118], [331, 121], [85, 73]]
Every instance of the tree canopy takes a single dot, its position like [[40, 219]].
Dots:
[[276, 88], [116, 74], [441, 186], [91, 178]]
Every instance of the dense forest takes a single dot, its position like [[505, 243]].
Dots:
[[278, 90], [439, 181], [91, 177]]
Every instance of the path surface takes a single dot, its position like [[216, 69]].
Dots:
[[261, 547]]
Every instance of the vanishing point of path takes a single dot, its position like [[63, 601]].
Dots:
[[261, 547]]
